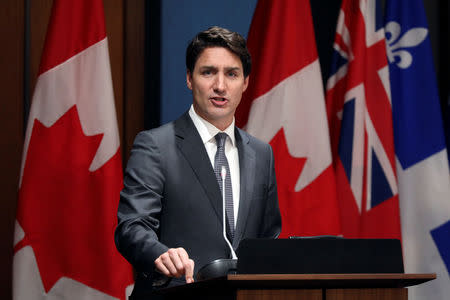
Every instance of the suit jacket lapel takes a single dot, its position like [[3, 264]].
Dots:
[[191, 145], [247, 174]]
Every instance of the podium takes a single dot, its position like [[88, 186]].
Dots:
[[317, 269], [300, 286]]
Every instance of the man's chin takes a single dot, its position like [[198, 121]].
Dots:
[[220, 119]]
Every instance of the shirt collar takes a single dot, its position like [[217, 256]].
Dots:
[[207, 130]]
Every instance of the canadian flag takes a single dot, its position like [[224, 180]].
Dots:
[[284, 105], [71, 172]]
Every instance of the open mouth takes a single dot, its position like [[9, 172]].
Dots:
[[219, 101]]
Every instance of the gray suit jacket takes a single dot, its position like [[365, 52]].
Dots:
[[171, 198]]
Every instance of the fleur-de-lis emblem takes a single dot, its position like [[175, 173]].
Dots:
[[395, 43]]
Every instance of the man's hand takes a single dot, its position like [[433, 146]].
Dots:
[[175, 263]]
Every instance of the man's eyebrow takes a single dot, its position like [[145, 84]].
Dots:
[[215, 68], [208, 67], [233, 69]]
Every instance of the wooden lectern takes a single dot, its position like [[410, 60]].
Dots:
[[319, 268], [300, 286]]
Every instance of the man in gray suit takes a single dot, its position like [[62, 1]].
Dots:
[[171, 212]]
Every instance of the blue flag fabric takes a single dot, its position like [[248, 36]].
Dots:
[[422, 163]]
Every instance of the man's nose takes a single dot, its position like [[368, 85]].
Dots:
[[220, 84]]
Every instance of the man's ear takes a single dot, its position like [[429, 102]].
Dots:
[[189, 79], [246, 82]]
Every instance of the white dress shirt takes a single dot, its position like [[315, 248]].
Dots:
[[207, 133]]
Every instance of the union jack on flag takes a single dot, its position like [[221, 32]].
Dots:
[[360, 118]]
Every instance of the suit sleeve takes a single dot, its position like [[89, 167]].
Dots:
[[136, 235], [272, 218]]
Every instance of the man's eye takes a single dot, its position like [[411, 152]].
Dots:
[[232, 74], [206, 72]]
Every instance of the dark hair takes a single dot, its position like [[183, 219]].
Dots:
[[218, 37]]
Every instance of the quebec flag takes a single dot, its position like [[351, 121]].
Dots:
[[422, 163]]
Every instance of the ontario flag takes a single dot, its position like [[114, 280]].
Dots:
[[360, 118], [422, 163], [71, 168], [285, 106]]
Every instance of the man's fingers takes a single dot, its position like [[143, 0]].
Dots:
[[166, 260], [188, 265], [174, 263], [161, 267], [177, 260], [189, 271]]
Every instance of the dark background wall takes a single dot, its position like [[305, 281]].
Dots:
[[147, 40]]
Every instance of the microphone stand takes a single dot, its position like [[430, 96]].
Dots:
[[223, 174]]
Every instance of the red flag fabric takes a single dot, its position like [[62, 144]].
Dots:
[[360, 118], [284, 105], [71, 168]]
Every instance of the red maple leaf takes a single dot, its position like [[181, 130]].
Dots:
[[314, 209], [68, 213]]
